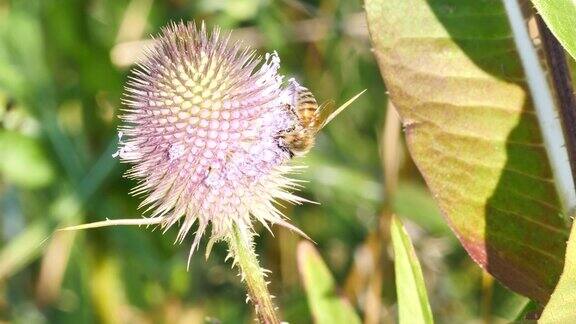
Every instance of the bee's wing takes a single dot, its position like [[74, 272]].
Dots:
[[329, 112], [324, 111]]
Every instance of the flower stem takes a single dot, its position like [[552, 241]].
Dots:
[[562, 86], [242, 249]]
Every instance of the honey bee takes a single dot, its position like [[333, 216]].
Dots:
[[300, 139], [311, 119]]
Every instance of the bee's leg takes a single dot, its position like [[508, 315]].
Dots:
[[282, 143]]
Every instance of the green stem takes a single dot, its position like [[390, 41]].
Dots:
[[242, 249]]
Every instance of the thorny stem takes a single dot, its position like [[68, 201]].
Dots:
[[562, 84], [242, 249]]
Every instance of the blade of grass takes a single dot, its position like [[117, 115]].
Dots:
[[413, 305], [324, 301]]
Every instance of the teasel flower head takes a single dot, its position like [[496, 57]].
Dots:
[[201, 129]]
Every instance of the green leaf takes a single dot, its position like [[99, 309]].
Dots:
[[326, 304], [21, 54], [452, 71], [562, 305], [560, 17], [23, 161], [413, 306]]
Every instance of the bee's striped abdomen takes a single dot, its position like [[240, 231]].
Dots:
[[306, 97], [306, 107]]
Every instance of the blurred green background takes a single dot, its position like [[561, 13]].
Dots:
[[62, 68]]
